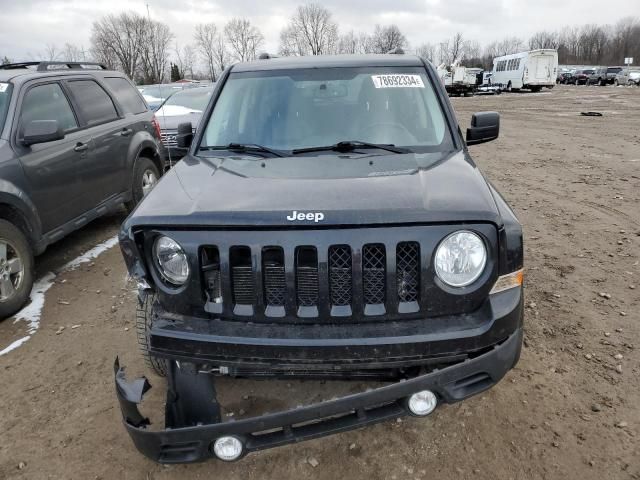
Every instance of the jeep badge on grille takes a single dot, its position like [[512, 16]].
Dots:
[[315, 216]]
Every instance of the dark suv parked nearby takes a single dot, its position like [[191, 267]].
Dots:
[[327, 222], [76, 141], [603, 76]]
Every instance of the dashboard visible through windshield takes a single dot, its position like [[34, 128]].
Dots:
[[288, 110]]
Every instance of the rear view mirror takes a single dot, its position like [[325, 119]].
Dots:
[[185, 135], [485, 126], [41, 131]]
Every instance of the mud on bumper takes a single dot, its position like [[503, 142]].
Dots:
[[193, 421]]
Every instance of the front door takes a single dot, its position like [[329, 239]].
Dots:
[[51, 168]]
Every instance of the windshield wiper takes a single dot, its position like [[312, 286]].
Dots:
[[245, 147], [350, 146]]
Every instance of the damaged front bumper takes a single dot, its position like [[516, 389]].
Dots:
[[193, 421]]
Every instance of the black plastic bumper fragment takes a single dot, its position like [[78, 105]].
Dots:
[[192, 422]]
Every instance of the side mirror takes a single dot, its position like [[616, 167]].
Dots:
[[185, 135], [485, 126], [41, 131]]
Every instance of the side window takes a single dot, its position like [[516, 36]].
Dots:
[[126, 94], [47, 102], [94, 103]]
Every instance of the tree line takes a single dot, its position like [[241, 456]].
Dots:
[[147, 52]]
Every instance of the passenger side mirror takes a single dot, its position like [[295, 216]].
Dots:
[[485, 126], [41, 131], [185, 135]]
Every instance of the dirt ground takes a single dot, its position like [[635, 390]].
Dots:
[[570, 409]]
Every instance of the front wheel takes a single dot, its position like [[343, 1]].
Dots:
[[16, 269], [144, 317], [615, 82], [145, 177]]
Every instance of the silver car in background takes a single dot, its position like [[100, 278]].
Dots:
[[628, 76], [185, 106]]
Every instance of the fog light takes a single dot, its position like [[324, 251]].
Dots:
[[227, 448], [422, 403]]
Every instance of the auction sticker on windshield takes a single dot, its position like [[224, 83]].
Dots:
[[397, 81], [3, 87]]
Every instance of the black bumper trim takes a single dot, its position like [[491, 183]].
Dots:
[[193, 443]]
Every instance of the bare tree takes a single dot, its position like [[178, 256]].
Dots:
[[51, 52], [220, 53], [205, 37], [451, 50], [387, 38], [426, 51], [188, 60], [544, 40], [72, 53], [120, 37], [311, 31], [155, 51], [243, 38]]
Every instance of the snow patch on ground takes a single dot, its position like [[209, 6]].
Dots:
[[14, 345], [33, 311], [90, 254]]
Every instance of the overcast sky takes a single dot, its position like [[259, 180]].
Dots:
[[26, 26]]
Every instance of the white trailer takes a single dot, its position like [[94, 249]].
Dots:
[[532, 70], [457, 80]]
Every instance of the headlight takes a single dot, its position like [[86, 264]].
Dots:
[[460, 258], [171, 260]]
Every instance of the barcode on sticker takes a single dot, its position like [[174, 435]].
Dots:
[[397, 81], [3, 87]]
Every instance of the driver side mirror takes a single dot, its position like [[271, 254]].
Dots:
[[185, 135], [41, 131], [485, 127]]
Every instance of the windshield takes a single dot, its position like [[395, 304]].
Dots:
[[5, 96], [294, 109], [193, 99]]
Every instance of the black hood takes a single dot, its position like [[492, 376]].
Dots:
[[346, 190]]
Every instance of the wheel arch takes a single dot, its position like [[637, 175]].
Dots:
[[15, 207]]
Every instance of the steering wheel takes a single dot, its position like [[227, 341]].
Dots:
[[380, 132]]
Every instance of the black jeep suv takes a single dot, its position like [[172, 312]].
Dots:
[[76, 141], [328, 222]]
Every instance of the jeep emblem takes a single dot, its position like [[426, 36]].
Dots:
[[315, 216]]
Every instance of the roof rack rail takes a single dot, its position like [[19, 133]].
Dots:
[[396, 51], [266, 56], [44, 66]]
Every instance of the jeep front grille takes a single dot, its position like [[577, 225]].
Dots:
[[308, 282]]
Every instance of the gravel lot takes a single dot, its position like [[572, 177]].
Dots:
[[571, 408]]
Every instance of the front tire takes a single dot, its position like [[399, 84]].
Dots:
[[144, 318], [145, 176], [16, 269]]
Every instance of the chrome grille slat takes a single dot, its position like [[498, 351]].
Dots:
[[169, 138]]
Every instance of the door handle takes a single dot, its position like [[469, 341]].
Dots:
[[125, 132], [81, 147]]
